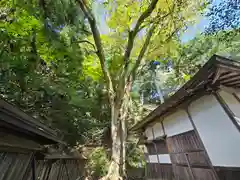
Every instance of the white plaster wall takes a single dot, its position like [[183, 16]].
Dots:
[[164, 158], [232, 103], [177, 123], [219, 135], [145, 149], [148, 133], [157, 130], [153, 158]]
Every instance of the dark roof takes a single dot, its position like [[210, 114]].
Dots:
[[19, 123], [217, 71]]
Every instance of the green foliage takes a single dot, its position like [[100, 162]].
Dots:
[[135, 156], [50, 69], [98, 162], [193, 54], [41, 70]]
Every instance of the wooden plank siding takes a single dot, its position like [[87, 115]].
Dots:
[[188, 157], [228, 173], [60, 170], [157, 147], [13, 165], [17, 166], [159, 171]]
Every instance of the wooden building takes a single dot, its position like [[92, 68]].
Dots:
[[195, 134], [23, 154]]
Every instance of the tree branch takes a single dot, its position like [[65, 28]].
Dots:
[[133, 33], [85, 41], [141, 54], [100, 52]]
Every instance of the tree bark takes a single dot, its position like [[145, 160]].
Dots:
[[114, 168]]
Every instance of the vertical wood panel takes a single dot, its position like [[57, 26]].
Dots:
[[181, 173], [203, 174], [228, 173], [185, 142], [13, 165], [159, 171], [188, 157]]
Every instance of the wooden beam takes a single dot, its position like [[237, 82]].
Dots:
[[217, 75], [228, 75], [236, 96], [229, 89], [232, 83], [189, 166], [155, 147], [230, 79], [164, 132]]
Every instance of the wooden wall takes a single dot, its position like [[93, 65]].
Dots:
[[60, 170], [13, 165], [188, 157], [202, 142], [18, 166]]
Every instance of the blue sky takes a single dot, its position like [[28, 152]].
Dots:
[[192, 31], [198, 27]]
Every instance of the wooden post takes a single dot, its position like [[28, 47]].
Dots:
[[155, 147], [189, 166]]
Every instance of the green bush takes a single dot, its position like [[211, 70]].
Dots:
[[98, 162]]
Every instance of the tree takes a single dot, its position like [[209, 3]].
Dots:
[[41, 68], [140, 30]]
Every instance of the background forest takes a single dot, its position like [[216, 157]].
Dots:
[[87, 68]]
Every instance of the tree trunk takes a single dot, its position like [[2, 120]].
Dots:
[[117, 168], [114, 168]]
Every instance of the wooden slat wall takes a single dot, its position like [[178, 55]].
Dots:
[[188, 157], [185, 142], [181, 172], [202, 174], [13, 165], [228, 173], [17, 166], [157, 147], [195, 159], [60, 169], [159, 171]]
